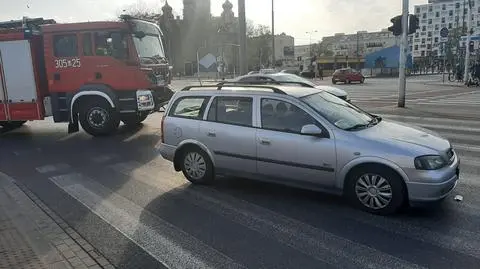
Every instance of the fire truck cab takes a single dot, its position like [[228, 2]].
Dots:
[[93, 73]]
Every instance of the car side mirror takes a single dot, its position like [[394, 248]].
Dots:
[[311, 129]]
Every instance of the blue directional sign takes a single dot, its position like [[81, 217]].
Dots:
[[444, 32]]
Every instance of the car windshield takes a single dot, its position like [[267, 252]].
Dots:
[[149, 46], [338, 112], [292, 78]]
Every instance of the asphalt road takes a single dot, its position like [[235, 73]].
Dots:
[[130, 204]]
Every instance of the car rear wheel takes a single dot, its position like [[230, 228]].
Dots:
[[334, 81], [197, 166], [376, 190], [362, 80]]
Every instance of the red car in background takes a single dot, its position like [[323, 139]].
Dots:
[[347, 75]]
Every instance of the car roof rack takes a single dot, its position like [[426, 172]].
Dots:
[[263, 82], [226, 84]]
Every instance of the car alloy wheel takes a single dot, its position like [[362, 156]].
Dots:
[[373, 191], [195, 165]]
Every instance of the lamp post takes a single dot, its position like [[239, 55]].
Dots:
[[273, 34]]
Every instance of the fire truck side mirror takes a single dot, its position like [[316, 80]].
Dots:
[[139, 34]]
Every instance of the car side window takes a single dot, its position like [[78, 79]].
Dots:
[[231, 110], [189, 107], [282, 116]]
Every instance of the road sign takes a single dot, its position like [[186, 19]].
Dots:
[[444, 34]]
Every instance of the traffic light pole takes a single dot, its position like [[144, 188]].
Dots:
[[403, 55]]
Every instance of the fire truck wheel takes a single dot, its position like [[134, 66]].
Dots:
[[98, 118], [134, 119]]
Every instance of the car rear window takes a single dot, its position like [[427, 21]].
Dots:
[[189, 107]]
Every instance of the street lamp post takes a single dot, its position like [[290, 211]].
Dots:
[[273, 34]]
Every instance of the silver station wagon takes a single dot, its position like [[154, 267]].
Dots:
[[307, 138]]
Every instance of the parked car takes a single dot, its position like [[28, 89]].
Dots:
[[347, 76], [279, 78], [291, 71], [307, 138]]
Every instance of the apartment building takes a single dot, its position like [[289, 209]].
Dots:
[[438, 14]]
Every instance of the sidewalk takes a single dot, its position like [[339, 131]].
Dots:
[[32, 236]]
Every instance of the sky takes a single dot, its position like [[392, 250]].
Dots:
[[295, 18]]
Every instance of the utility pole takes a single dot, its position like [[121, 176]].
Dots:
[[358, 54], [273, 35], [467, 44], [403, 55], [242, 37]]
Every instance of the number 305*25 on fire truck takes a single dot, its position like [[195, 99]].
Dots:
[[93, 73]]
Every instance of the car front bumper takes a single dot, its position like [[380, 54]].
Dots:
[[443, 184]]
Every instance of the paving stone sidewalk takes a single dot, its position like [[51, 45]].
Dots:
[[33, 236]]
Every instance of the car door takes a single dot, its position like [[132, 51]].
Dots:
[[228, 132], [284, 154]]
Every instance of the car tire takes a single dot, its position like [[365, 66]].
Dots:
[[98, 118], [347, 81], [197, 166], [334, 81], [134, 119], [376, 189], [362, 80]]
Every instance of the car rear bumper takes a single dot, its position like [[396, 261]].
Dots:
[[167, 151]]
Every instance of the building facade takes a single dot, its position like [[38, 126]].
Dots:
[[199, 32], [359, 44], [438, 14], [284, 49], [302, 51]]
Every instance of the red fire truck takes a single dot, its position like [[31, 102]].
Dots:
[[93, 73]]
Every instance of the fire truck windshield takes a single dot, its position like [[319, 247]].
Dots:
[[149, 43]]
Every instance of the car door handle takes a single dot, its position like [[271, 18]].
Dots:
[[211, 133], [264, 141]]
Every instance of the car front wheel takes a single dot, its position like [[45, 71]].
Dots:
[[376, 190]]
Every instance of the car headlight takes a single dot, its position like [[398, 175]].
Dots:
[[430, 162]]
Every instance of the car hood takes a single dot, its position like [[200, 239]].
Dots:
[[405, 135], [332, 90]]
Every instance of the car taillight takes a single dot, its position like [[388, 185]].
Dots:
[[162, 129]]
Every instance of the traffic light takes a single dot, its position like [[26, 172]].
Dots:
[[396, 28], [470, 45], [413, 24]]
